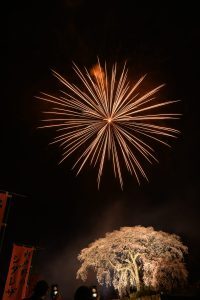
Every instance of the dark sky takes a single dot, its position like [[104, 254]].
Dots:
[[62, 213]]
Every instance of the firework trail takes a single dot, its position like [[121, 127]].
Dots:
[[107, 118]]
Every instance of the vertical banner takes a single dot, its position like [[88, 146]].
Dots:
[[3, 201], [18, 273]]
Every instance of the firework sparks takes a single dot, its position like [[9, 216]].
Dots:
[[107, 119]]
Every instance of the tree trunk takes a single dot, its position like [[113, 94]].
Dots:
[[137, 278]]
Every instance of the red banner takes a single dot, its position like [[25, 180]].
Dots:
[[3, 201], [18, 273]]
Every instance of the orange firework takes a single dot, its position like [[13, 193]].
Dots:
[[107, 118]]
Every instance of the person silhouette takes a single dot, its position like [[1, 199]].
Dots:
[[40, 291], [83, 293]]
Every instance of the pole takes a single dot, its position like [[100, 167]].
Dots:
[[5, 222], [30, 246], [14, 194], [10, 194]]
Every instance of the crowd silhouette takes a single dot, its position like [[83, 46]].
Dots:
[[42, 291]]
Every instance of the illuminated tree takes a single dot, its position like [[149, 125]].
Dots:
[[134, 258]]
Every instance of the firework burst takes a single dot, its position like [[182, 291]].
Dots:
[[107, 118]]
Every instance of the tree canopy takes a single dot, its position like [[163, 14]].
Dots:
[[133, 258]]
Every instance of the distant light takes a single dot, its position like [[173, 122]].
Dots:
[[94, 292], [54, 291], [94, 295]]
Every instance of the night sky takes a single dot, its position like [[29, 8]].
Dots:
[[62, 213]]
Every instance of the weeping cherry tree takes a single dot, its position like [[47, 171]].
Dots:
[[135, 258]]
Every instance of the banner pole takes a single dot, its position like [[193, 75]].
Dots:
[[4, 225], [5, 221], [14, 194]]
